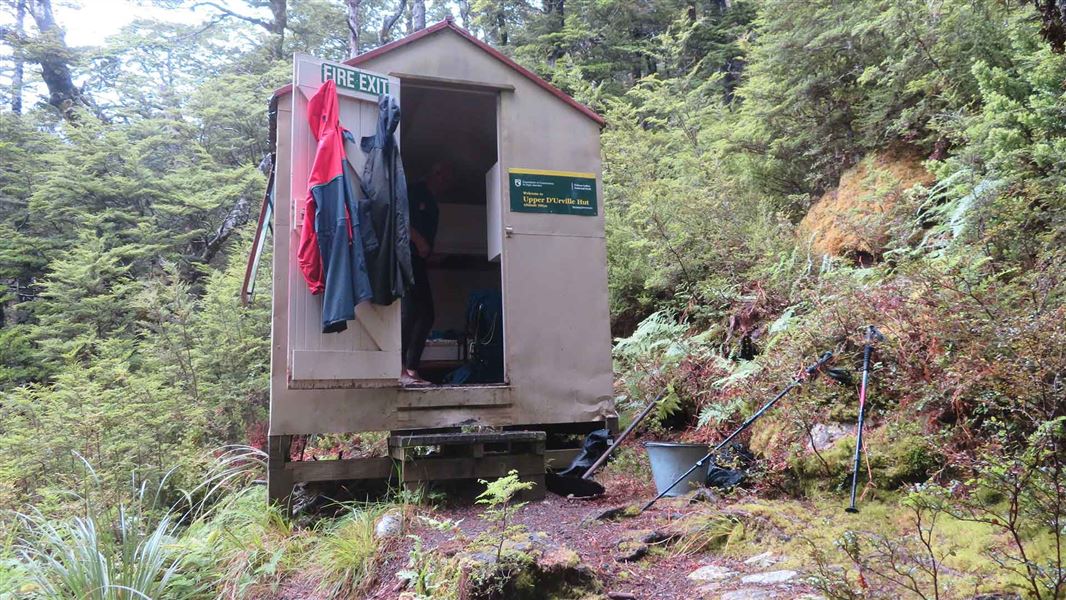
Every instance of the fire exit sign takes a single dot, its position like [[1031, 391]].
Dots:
[[354, 79], [556, 192]]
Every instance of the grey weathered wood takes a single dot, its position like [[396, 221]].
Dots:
[[560, 458], [279, 479], [537, 493], [443, 469], [444, 439], [335, 470], [443, 396]]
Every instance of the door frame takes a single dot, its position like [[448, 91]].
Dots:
[[496, 90]]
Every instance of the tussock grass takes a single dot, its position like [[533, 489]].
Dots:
[[243, 545], [106, 553], [346, 554]]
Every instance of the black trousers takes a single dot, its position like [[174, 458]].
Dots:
[[417, 315]]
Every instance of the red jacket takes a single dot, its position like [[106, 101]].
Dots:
[[324, 118], [331, 254]]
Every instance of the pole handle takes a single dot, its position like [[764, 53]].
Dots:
[[610, 450]]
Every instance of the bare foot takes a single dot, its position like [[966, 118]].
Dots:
[[411, 378]]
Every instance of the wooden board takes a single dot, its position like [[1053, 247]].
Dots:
[[367, 353], [487, 467], [442, 439], [339, 470]]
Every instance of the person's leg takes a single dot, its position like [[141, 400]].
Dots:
[[407, 324], [418, 316]]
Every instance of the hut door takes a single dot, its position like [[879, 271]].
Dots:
[[555, 281], [367, 354]]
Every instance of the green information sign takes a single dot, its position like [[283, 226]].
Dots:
[[556, 192], [354, 79]]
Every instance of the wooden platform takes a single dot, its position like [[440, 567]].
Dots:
[[418, 459]]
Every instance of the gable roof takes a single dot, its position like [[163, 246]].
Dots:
[[449, 24]]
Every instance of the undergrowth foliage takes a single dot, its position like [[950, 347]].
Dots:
[[967, 282], [126, 550], [218, 540]]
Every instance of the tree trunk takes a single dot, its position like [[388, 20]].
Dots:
[[52, 54], [279, 9], [1053, 23], [557, 17], [239, 214], [556, 8], [389, 21], [20, 62], [353, 27], [418, 14], [501, 28], [464, 13]]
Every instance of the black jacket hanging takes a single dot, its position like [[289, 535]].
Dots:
[[389, 255]]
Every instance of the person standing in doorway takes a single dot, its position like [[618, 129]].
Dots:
[[417, 305]]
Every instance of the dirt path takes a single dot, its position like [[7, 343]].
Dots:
[[661, 574]]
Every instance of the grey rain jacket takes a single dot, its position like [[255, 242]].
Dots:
[[388, 251]]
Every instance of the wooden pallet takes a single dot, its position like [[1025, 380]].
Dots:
[[426, 458], [418, 459]]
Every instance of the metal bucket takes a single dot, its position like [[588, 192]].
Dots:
[[669, 460]]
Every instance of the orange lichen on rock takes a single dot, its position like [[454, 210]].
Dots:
[[853, 219]]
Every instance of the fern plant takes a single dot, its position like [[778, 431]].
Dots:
[[499, 497]]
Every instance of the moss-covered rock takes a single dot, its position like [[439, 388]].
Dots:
[[899, 454], [529, 567]]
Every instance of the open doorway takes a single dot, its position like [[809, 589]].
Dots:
[[453, 127]]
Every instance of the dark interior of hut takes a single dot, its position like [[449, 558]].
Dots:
[[454, 127]]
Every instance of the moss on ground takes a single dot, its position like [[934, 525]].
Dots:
[[792, 529]]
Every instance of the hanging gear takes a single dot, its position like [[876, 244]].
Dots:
[[330, 254], [385, 185]]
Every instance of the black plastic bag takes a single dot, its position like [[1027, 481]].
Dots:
[[574, 487], [730, 467], [596, 443]]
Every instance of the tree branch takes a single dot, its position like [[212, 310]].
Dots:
[[388, 22], [229, 13]]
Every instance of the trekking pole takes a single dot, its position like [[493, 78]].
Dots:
[[647, 410], [808, 373], [872, 335]]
